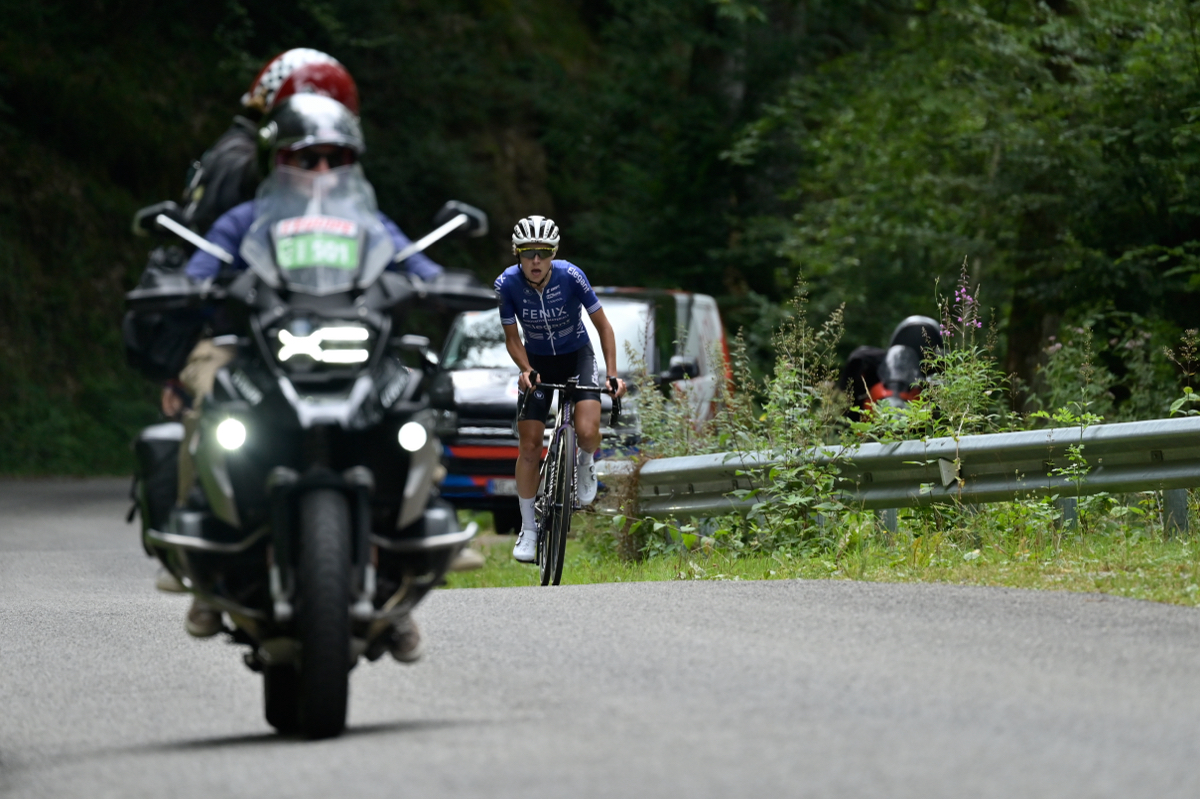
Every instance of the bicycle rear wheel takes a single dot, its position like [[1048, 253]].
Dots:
[[556, 522]]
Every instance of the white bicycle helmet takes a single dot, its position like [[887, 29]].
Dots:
[[535, 230]]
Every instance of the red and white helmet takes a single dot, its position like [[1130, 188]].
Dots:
[[535, 230], [301, 71]]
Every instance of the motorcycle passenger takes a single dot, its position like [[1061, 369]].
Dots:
[[312, 133], [548, 298], [228, 173]]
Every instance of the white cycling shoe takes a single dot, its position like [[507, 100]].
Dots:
[[526, 548], [585, 490]]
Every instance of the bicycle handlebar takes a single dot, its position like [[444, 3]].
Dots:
[[573, 386]]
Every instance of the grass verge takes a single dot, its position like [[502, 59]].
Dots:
[[1127, 565]]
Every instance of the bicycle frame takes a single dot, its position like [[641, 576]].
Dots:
[[556, 499]]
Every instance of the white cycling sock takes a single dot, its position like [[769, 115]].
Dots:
[[583, 458], [528, 518]]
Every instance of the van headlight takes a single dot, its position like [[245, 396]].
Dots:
[[412, 436], [231, 434]]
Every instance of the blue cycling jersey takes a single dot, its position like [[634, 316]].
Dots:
[[553, 317]]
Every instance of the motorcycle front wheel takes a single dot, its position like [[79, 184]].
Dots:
[[323, 613], [281, 698], [556, 524]]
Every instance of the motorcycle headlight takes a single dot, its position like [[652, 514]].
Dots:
[[231, 434], [339, 345], [413, 436]]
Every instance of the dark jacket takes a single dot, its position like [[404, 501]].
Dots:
[[225, 176]]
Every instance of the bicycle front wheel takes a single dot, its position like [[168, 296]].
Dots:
[[560, 502]]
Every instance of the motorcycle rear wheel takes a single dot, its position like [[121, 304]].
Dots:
[[323, 613]]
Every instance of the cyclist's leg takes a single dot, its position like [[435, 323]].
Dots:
[[587, 424], [587, 434], [529, 458], [531, 426]]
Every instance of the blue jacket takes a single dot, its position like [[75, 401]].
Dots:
[[231, 227], [553, 317]]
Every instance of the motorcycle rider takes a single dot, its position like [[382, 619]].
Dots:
[[228, 173], [308, 132], [548, 297]]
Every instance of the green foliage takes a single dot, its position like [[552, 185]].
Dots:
[[1016, 550], [1054, 148], [725, 146], [611, 116]]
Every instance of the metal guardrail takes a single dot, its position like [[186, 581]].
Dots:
[[1119, 458]]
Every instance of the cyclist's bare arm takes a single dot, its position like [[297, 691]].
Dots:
[[608, 345], [516, 351]]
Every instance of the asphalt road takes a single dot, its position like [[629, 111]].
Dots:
[[705, 689]]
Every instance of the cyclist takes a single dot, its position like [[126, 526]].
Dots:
[[548, 298]]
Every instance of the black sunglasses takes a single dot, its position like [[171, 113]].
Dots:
[[310, 159], [532, 253]]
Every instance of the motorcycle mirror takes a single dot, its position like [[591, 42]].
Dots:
[[411, 341], [144, 220], [459, 290], [419, 344], [476, 224]]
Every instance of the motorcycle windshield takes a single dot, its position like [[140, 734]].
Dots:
[[317, 232]]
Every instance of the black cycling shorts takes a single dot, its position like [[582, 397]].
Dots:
[[559, 369]]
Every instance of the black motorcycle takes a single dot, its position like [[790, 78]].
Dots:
[[317, 525]]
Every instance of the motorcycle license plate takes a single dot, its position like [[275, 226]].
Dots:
[[504, 488]]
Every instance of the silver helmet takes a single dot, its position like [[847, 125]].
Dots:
[[535, 230], [304, 120]]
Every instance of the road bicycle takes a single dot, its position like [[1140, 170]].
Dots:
[[557, 498]]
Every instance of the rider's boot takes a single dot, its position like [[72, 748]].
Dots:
[[203, 620], [406, 640]]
